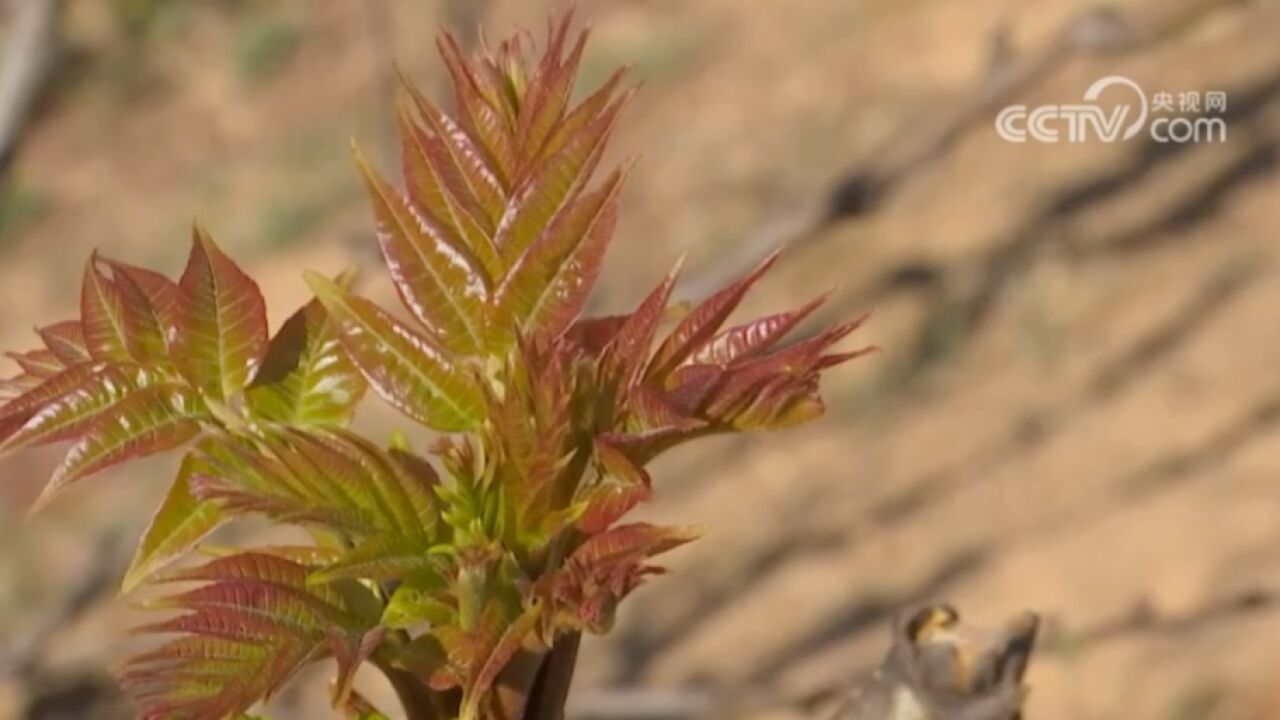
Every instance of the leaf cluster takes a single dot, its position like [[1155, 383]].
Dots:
[[466, 571]]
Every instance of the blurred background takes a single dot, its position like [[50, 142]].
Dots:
[[1078, 405]]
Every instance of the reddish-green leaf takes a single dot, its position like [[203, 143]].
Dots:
[[518, 633], [583, 114], [19, 410], [77, 406], [150, 334], [553, 186], [628, 351], [245, 634], [442, 194], [550, 90], [159, 290], [66, 341], [622, 486], [306, 378], [467, 170], [18, 385], [42, 364], [549, 285], [181, 522], [440, 284], [103, 318], [148, 421], [401, 365], [222, 328], [482, 120]]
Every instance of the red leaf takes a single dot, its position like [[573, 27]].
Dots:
[[701, 324], [42, 364], [629, 351], [750, 339], [629, 543], [66, 341]]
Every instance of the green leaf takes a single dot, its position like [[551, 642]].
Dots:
[[418, 601], [439, 283], [282, 483], [306, 378], [382, 558], [401, 365], [181, 522], [222, 327], [149, 421]]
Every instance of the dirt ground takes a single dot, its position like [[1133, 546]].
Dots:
[[1077, 409]]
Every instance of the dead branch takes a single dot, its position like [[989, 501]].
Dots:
[[30, 48]]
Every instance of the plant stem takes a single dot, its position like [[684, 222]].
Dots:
[[417, 700], [551, 688]]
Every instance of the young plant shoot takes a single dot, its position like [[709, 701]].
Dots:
[[464, 557]]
